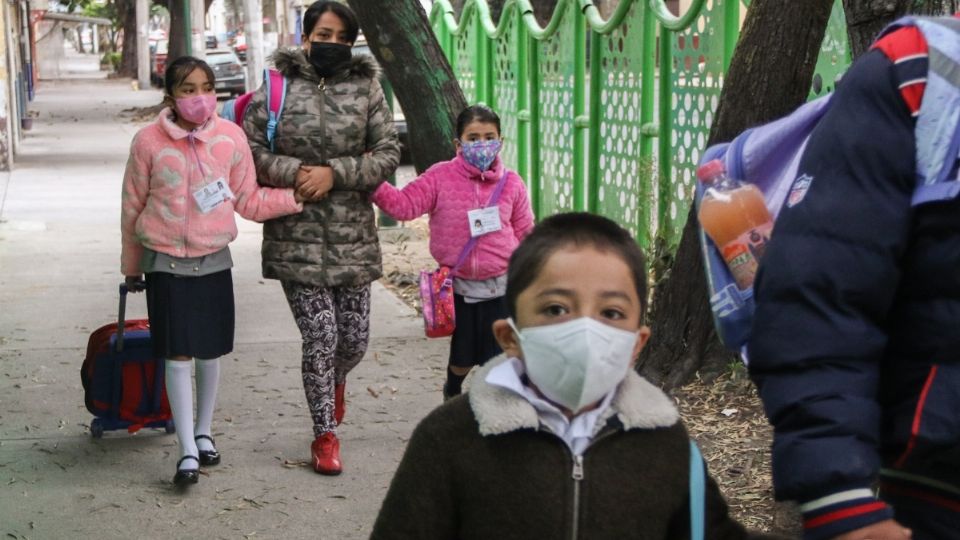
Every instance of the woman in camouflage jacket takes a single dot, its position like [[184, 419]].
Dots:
[[335, 143]]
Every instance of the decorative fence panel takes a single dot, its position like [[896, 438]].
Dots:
[[597, 114]]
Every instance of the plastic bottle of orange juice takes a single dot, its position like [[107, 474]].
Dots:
[[735, 217]]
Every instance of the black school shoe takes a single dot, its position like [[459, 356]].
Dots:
[[186, 476], [208, 457]]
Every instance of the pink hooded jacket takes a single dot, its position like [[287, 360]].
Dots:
[[447, 191], [158, 210]]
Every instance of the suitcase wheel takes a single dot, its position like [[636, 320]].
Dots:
[[96, 428], [170, 427]]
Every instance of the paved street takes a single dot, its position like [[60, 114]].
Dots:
[[59, 270]]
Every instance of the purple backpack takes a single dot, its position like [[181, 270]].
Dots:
[[766, 156]]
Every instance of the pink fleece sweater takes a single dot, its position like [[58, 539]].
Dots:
[[158, 210], [447, 191]]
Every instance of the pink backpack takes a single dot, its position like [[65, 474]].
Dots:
[[234, 109]]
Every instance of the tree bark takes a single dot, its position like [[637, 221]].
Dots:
[[402, 41], [543, 10], [127, 12], [496, 8], [80, 48], [866, 18], [769, 76], [176, 44]]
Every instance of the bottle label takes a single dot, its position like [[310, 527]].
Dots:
[[743, 254]]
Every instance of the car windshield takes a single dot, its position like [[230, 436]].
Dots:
[[225, 57]]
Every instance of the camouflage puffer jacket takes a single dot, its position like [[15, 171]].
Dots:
[[344, 122]]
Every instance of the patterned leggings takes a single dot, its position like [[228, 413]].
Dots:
[[335, 325]]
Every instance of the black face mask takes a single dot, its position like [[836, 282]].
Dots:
[[329, 58]]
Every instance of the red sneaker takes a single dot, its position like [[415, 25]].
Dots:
[[326, 454], [339, 402]]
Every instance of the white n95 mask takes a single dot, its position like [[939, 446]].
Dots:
[[578, 362]]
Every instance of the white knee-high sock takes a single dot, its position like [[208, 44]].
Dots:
[[180, 395], [208, 379]]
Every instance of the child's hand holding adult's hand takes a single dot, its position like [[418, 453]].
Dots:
[[884, 530]]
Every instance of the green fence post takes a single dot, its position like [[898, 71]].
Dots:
[[665, 147], [523, 101], [731, 31], [593, 152], [535, 78], [580, 122]]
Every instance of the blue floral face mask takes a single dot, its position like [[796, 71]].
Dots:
[[480, 154]]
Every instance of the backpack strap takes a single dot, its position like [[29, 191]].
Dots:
[[937, 132], [274, 79], [697, 493]]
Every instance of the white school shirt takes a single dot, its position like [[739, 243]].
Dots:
[[577, 433]]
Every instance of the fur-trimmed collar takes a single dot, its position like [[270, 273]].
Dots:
[[637, 404], [292, 62]]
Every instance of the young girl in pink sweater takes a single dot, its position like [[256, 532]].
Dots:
[[453, 193], [187, 174]]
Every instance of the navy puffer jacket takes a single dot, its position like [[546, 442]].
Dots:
[[856, 340]]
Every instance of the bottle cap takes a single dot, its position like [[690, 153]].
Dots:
[[710, 170]]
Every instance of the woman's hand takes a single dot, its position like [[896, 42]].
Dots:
[[135, 284], [884, 530], [314, 183]]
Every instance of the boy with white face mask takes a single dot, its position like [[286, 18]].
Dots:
[[559, 437]]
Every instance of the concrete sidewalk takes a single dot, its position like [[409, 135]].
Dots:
[[59, 270]]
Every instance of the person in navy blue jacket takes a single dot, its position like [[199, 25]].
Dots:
[[855, 347]]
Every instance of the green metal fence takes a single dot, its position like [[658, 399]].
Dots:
[[596, 115]]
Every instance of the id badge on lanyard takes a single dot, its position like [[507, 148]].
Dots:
[[484, 221]]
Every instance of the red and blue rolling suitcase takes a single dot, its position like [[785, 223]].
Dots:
[[122, 381]]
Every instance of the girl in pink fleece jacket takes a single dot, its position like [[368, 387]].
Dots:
[[187, 174], [453, 192]]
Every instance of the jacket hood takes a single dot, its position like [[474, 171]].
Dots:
[[638, 404], [292, 62]]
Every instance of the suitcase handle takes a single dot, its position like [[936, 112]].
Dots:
[[122, 312]]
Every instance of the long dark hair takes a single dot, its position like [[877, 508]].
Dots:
[[316, 9], [181, 68], [476, 113]]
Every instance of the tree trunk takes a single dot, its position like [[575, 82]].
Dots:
[[866, 18], [496, 8], [127, 12], [407, 49], [80, 47], [543, 10], [939, 7], [176, 44], [769, 76]]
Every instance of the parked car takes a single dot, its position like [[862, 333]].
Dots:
[[231, 75], [361, 47], [211, 41], [240, 47], [158, 61]]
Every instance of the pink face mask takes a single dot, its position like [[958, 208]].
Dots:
[[197, 109]]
